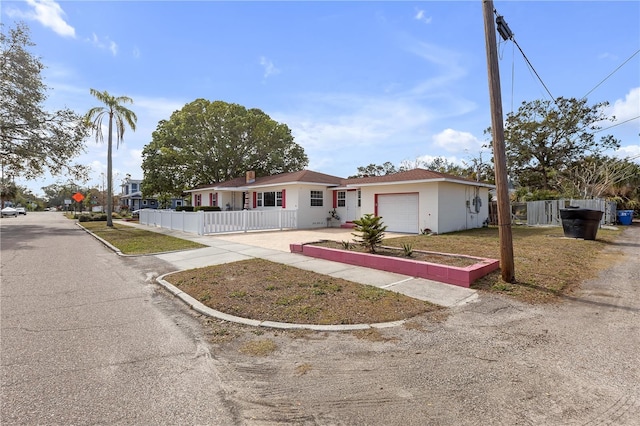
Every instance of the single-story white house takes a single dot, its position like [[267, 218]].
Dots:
[[412, 201]]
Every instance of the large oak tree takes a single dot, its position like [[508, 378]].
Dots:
[[545, 140], [207, 142]]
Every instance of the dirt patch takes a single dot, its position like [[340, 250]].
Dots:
[[263, 290]]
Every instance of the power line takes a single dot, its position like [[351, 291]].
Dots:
[[506, 34], [533, 69], [613, 72], [617, 124]]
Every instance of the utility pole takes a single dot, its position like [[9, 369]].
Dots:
[[499, 157]]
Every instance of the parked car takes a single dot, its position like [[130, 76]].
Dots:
[[9, 211], [21, 210]]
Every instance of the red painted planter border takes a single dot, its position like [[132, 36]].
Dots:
[[447, 274]]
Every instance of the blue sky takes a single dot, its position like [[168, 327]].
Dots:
[[357, 82]]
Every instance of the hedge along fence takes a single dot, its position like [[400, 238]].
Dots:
[[214, 222]]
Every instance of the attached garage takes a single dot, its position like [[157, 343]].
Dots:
[[399, 212]]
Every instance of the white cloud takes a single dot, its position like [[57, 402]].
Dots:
[[456, 141], [422, 17], [627, 108], [630, 152], [269, 68], [105, 44], [48, 13]]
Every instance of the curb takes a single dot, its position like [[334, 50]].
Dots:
[[205, 310]]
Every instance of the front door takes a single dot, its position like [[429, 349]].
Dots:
[[352, 206]]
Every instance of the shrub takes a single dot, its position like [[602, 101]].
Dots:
[[370, 231], [346, 245], [208, 208], [185, 208]]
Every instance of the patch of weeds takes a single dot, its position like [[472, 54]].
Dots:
[[204, 297], [309, 311], [324, 286], [502, 286], [291, 300], [238, 294], [258, 347], [271, 287], [347, 245], [372, 335], [319, 292], [369, 292], [219, 333], [303, 369]]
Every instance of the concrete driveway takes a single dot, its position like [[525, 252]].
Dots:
[[280, 240]]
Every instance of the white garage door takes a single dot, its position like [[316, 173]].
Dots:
[[399, 212]]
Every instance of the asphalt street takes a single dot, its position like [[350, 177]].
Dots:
[[86, 339]]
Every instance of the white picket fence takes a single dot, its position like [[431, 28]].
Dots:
[[203, 223], [547, 212]]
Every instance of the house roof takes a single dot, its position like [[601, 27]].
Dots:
[[302, 176], [410, 176], [311, 177]]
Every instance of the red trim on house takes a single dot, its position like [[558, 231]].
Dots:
[[375, 204], [255, 199], [284, 198], [211, 198], [217, 199]]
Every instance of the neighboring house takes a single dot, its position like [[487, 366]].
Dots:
[[131, 196], [409, 202]]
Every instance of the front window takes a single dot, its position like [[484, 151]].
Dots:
[[359, 198], [134, 187], [317, 198], [342, 198], [269, 199]]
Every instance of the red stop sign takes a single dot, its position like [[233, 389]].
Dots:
[[78, 197]]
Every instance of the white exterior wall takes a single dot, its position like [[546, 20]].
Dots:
[[441, 205], [427, 201], [456, 207], [308, 216]]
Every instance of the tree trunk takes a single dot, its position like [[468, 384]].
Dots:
[[110, 173]]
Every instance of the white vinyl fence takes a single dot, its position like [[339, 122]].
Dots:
[[203, 223], [547, 212]]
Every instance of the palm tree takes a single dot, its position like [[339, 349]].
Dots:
[[114, 109]]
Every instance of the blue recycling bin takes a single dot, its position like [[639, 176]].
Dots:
[[625, 217]]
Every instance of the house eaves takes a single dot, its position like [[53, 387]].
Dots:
[[458, 181], [302, 177]]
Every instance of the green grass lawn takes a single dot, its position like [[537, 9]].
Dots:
[[130, 240]]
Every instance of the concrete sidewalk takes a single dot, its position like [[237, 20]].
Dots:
[[274, 246]]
